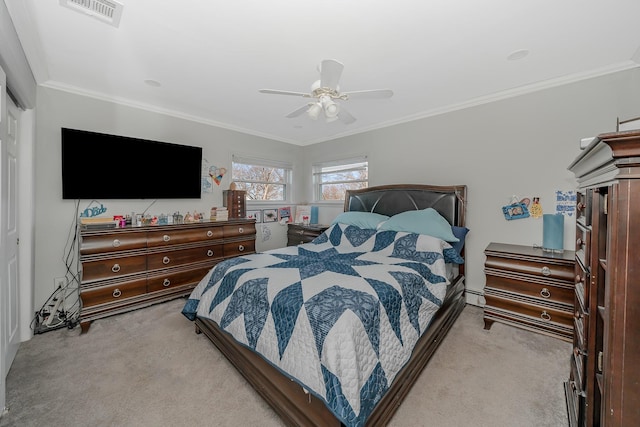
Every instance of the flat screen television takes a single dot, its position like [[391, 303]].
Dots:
[[102, 166]]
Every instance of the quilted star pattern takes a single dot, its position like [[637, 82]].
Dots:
[[311, 263], [340, 315]]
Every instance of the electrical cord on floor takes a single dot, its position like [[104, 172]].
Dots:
[[62, 308]]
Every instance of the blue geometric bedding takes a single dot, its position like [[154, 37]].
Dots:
[[340, 315]]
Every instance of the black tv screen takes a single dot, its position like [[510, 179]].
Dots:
[[102, 166]]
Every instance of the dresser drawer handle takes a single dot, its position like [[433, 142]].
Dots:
[[117, 293], [545, 316], [209, 233], [240, 230], [115, 268], [166, 282], [544, 293], [240, 248], [166, 238], [209, 252], [301, 231], [116, 243], [546, 271], [166, 260]]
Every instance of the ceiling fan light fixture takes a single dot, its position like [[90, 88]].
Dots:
[[331, 109], [314, 110]]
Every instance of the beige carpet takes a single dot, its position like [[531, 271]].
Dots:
[[149, 368]]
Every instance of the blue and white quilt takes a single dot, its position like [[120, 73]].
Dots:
[[339, 315]]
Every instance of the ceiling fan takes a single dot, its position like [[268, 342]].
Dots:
[[326, 91]]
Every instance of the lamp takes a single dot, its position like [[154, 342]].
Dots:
[[330, 108], [314, 110]]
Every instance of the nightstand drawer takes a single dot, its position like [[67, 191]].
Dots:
[[531, 287], [298, 234], [539, 268], [538, 312]]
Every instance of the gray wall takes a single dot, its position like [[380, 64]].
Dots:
[[519, 146]]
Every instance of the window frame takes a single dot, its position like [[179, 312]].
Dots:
[[346, 162], [266, 163]]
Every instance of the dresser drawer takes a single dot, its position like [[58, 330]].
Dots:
[[532, 287], [98, 268], [177, 237], [98, 243], [243, 247], [230, 231], [113, 292], [172, 279], [541, 314], [174, 258], [537, 268]]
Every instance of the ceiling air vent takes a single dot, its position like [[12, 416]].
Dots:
[[108, 11]]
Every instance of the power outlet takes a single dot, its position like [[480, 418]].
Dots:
[[59, 282]]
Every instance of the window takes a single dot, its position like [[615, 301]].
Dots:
[[332, 179], [263, 180]]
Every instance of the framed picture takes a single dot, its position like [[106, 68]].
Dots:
[[269, 215], [257, 215], [284, 213], [515, 211]]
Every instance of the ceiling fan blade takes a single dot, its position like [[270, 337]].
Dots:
[[330, 72], [369, 94], [297, 112], [284, 92], [345, 117]]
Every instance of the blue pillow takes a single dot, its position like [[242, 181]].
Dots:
[[360, 219], [460, 233], [427, 221]]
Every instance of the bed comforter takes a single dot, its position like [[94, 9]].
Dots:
[[340, 315]]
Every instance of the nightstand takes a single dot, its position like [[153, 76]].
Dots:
[[530, 289], [298, 233]]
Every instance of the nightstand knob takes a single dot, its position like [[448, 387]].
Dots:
[[209, 252], [301, 232], [209, 233], [166, 260], [579, 241], [166, 238], [546, 271], [545, 316], [544, 293], [166, 282], [115, 268], [241, 248], [116, 243], [240, 230], [116, 293]]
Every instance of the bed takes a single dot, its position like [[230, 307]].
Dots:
[[336, 331]]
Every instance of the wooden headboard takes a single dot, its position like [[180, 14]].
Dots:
[[449, 201]]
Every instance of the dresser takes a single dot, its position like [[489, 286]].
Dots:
[[603, 386], [530, 289], [123, 269], [298, 233]]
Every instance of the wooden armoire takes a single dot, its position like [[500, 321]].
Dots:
[[603, 388]]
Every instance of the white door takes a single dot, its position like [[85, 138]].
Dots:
[[13, 314], [9, 280], [4, 286]]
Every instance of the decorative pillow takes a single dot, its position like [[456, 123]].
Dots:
[[427, 221], [360, 219], [460, 233]]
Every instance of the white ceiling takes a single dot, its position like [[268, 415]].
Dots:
[[212, 57]]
